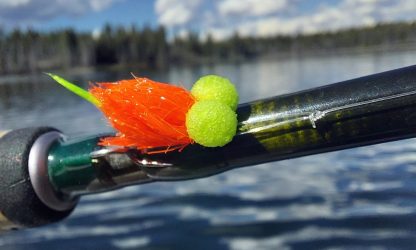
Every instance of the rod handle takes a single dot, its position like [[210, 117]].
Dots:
[[20, 207]]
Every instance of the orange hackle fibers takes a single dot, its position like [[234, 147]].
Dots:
[[148, 115]]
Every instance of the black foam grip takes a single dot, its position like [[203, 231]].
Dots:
[[18, 201]]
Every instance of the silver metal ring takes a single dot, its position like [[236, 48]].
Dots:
[[38, 172]]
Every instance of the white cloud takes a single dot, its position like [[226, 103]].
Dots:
[[251, 7], [217, 34], [221, 18], [8, 3], [183, 33], [353, 13], [267, 27], [29, 11], [96, 33], [176, 12], [99, 5]]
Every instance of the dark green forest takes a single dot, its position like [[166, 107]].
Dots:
[[33, 51]]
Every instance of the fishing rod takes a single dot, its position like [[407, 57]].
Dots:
[[43, 173]]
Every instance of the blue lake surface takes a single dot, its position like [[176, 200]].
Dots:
[[363, 198]]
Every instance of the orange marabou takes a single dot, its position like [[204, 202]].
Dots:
[[147, 114]]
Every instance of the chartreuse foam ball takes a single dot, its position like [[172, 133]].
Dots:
[[213, 87], [211, 123]]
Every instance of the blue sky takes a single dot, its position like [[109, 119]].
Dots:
[[221, 18]]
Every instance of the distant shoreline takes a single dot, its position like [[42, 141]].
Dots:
[[30, 51], [79, 71], [411, 46]]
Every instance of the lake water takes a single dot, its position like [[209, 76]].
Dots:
[[363, 198]]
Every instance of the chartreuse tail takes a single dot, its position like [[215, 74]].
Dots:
[[75, 89]]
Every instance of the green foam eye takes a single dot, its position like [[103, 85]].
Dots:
[[211, 123], [213, 87]]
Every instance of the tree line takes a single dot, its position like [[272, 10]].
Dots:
[[33, 51]]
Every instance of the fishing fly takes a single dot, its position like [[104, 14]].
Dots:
[[156, 117]]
